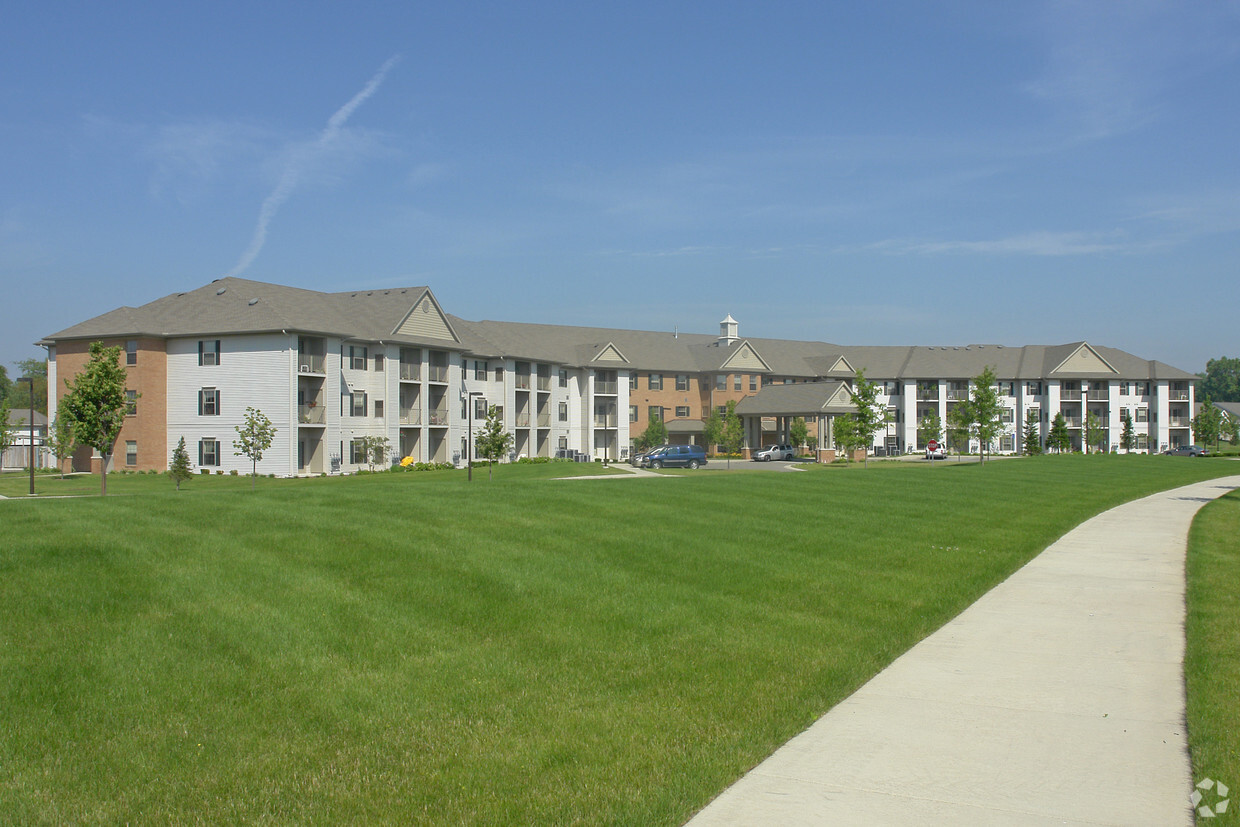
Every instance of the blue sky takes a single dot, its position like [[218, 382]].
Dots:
[[860, 173]]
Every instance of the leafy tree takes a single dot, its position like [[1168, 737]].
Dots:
[[1032, 442], [1233, 429], [712, 430], [375, 449], [654, 435], [253, 437], [1221, 381], [1127, 437], [812, 443], [1208, 423], [930, 428], [959, 418], [986, 410], [5, 383], [733, 432], [799, 432], [19, 394], [60, 438], [844, 431], [96, 404], [1093, 435], [868, 417], [1059, 439], [6, 433], [493, 441], [179, 469]]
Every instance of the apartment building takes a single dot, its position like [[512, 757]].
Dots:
[[331, 368]]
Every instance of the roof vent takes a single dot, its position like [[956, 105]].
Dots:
[[220, 292], [253, 302]]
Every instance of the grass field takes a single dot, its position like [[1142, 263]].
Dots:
[[407, 647]]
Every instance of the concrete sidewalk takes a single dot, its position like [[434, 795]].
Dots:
[[1057, 698]]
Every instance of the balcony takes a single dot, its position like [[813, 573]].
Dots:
[[1178, 396], [410, 372], [1180, 422], [522, 382], [601, 421], [1070, 395], [311, 363], [605, 387], [439, 417], [410, 416], [544, 382], [523, 420], [311, 415], [957, 395], [1072, 421], [437, 373], [544, 420]]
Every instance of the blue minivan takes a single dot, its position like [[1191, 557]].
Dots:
[[677, 456]]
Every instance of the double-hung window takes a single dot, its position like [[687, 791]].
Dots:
[[209, 402], [682, 411], [131, 403], [682, 381], [131, 452], [359, 403], [656, 381], [131, 352], [209, 352], [209, 452], [357, 357]]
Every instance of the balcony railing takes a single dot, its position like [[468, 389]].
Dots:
[[522, 382], [410, 416], [311, 414], [544, 420], [604, 387], [437, 373], [1178, 396], [1072, 421], [523, 420], [957, 395], [1179, 422], [310, 363], [410, 373], [439, 416], [544, 383], [604, 421], [1069, 394]]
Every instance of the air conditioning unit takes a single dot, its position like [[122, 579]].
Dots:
[[305, 368]]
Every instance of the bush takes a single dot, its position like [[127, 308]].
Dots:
[[204, 471], [232, 473]]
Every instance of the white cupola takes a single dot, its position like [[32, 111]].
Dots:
[[728, 331]]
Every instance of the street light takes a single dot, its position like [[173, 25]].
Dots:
[[30, 454], [469, 448]]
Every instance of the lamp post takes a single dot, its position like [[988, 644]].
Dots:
[[30, 454], [469, 447]]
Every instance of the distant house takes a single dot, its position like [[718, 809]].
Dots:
[[18, 453], [1231, 413]]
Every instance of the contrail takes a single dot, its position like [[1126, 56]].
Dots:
[[293, 170]]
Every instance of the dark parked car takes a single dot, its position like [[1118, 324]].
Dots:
[[677, 456], [639, 457], [1187, 451]]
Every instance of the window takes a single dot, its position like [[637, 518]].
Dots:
[[131, 452], [379, 361], [379, 409], [632, 381], [1123, 388], [480, 408], [682, 381], [656, 382], [721, 381], [131, 352], [562, 443], [682, 411], [209, 352], [1007, 443], [357, 357], [1143, 441], [1007, 415], [736, 382], [753, 382], [208, 402], [131, 403], [1143, 414], [632, 413], [357, 452], [499, 373], [563, 378], [209, 452], [655, 412], [891, 388], [1007, 388], [480, 370], [359, 403], [722, 410], [563, 412], [1033, 388]]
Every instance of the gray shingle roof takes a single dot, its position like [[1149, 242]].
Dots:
[[233, 305]]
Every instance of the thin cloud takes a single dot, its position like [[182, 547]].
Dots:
[[1028, 244], [300, 161]]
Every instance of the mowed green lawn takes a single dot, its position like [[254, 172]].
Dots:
[[410, 647]]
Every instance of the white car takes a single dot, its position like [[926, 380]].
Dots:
[[936, 450], [771, 452]]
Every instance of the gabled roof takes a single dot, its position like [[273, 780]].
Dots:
[[800, 399], [744, 358]]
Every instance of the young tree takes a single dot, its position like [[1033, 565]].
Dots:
[[985, 410], [844, 432], [1232, 429], [712, 430], [253, 437], [733, 432], [6, 433], [930, 428], [1127, 437], [959, 420], [1059, 439], [493, 441], [868, 417], [179, 469], [1032, 440], [798, 432], [1208, 423], [96, 404], [654, 435], [60, 439], [375, 449]]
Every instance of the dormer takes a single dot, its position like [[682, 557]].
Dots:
[[728, 331]]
